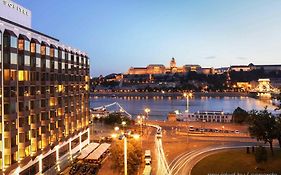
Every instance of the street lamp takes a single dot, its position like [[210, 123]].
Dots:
[[116, 128], [147, 110], [124, 137], [187, 96]]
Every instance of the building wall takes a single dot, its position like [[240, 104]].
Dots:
[[45, 94]]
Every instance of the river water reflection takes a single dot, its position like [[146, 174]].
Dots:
[[161, 106]]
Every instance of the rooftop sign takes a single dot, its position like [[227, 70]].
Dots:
[[14, 12]]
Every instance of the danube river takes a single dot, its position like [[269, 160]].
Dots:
[[161, 106]]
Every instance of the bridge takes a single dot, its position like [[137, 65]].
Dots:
[[265, 89]]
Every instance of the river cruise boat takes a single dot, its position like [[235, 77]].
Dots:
[[205, 116]]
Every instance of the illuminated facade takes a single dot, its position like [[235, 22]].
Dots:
[[157, 69], [44, 98]]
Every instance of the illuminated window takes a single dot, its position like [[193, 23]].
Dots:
[[21, 44], [60, 88], [10, 74], [53, 101], [52, 52], [43, 50], [23, 75], [33, 48]]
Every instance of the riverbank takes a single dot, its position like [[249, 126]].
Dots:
[[169, 94]]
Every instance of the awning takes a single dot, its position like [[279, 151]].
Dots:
[[21, 36], [98, 152], [9, 32], [89, 149], [53, 46], [35, 41], [44, 43]]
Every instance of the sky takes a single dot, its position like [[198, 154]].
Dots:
[[119, 34]]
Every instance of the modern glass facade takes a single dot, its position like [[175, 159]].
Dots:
[[44, 100]]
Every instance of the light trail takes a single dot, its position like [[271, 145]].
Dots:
[[162, 165], [184, 163]]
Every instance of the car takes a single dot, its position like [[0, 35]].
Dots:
[[191, 128], [237, 132], [202, 130], [147, 157]]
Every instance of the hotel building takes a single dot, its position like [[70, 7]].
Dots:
[[44, 96]]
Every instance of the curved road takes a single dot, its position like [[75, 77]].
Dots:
[[184, 163]]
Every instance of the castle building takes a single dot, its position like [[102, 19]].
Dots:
[[157, 69], [44, 96]]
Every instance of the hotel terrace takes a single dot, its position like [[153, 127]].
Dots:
[[44, 96]]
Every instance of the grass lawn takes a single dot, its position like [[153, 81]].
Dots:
[[237, 161]]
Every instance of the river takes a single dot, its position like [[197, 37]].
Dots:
[[161, 106]]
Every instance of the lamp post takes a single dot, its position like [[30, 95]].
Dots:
[[125, 155], [187, 95], [124, 138]]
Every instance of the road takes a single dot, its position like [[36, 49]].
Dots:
[[162, 165], [184, 163]]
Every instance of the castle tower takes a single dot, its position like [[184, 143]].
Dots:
[[173, 63]]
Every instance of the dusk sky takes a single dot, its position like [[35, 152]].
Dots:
[[118, 34]]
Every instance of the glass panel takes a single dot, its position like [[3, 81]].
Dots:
[[47, 51], [69, 56], [62, 65], [14, 42], [47, 63], [38, 62], [56, 53], [26, 45], [56, 65], [27, 60], [62, 55], [14, 58], [38, 48]]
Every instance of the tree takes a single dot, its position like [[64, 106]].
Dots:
[[134, 155], [240, 115], [278, 130], [262, 125], [116, 118]]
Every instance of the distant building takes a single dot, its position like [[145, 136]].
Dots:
[[251, 66]]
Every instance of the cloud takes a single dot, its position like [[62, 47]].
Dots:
[[210, 57], [242, 58]]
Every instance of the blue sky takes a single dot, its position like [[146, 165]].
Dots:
[[118, 34]]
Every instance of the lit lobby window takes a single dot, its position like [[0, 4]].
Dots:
[[23, 75], [43, 50], [9, 75]]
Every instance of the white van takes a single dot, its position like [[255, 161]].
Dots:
[[147, 157]]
